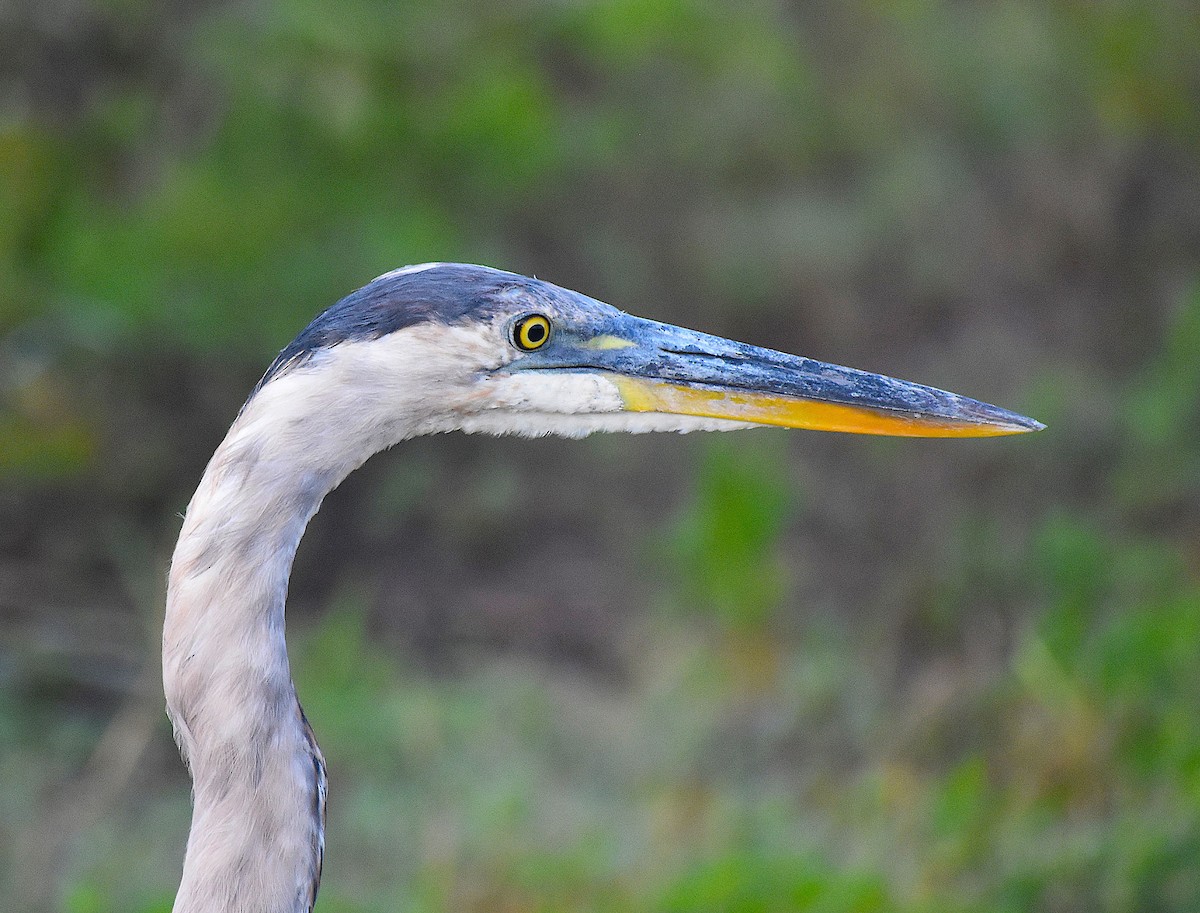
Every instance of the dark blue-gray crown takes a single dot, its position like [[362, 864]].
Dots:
[[443, 292]]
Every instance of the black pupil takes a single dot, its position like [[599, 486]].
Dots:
[[535, 333]]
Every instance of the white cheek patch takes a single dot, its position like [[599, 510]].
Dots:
[[535, 424], [570, 404], [563, 392]]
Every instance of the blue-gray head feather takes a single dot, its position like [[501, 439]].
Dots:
[[443, 292], [446, 292]]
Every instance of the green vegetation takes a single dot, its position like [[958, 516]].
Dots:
[[758, 674]]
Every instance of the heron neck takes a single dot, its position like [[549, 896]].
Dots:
[[257, 835]]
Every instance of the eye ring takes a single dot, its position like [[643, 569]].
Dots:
[[531, 332]]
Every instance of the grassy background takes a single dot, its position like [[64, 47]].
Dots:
[[765, 672]]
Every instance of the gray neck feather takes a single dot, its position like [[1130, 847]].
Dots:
[[257, 836]]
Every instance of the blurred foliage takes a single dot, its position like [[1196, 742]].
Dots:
[[727, 545], [1162, 415], [1016, 728]]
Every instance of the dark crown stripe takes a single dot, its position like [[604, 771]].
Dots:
[[445, 293]]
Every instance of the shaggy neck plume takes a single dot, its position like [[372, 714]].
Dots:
[[257, 836]]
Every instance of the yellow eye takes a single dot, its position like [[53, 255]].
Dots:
[[531, 332]]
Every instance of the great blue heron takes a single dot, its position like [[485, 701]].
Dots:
[[421, 350]]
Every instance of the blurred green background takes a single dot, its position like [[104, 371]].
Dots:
[[755, 673]]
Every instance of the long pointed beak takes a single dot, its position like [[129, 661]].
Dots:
[[662, 368]]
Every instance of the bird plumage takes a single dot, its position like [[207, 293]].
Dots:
[[418, 351]]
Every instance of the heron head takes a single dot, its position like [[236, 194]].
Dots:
[[450, 346]]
